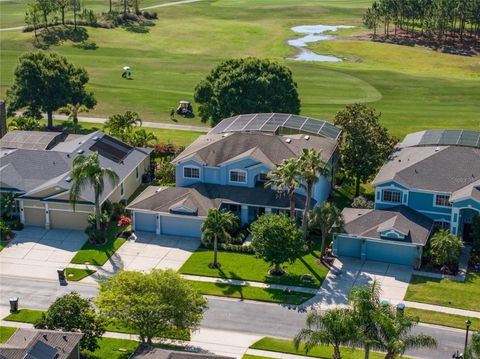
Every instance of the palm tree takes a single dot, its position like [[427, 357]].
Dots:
[[473, 351], [329, 220], [72, 111], [217, 227], [87, 172], [394, 336], [142, 138], [334, 327], [121, 126], [365, 302], [286, 175], [312, 167], [24, 123]]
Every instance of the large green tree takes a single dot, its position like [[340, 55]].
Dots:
[[72, 313], [365, 144], [88, 173], [46, 81], [445, 248], [285, 177], [247, 85], [329, 220], [152, 303], [312, 167], [334, 327], [217, 228], [122, 125], [277, 240]]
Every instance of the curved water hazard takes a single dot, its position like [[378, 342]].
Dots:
[[314, 33]]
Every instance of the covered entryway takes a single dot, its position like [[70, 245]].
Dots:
[[145, 222], [34, 216], [68, 220], [181, 226], [467, 217]]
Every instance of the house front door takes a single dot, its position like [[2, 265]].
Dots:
[[468, 233]]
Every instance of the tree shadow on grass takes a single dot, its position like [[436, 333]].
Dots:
[[229, 290], [58, 34]]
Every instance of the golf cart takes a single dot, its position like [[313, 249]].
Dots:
[[185, 109]]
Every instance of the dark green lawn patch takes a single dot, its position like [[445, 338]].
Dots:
[[75, 274], [444, 319], [6, 333], [446, 292], [320, 351], [112, 349], [251, 293], [98, 254], [25, 316], [248, 267]]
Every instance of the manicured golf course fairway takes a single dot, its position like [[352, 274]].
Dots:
[[413, 87]]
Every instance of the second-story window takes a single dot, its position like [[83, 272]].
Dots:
[[392, 196], [191, 172], [442, 200], [238, 176]]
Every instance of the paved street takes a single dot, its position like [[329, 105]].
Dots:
[[223, 314]]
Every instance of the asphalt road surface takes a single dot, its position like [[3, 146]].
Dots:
[[223, 314]]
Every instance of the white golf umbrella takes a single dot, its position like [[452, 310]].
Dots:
[[127, 68]]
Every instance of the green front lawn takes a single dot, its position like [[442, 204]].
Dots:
[[445, 292], [6, 333], [252, 293], [112, 349], [444, 319], [98, 254], [248, 267], [320, 351], [75, 274], [25, 316]]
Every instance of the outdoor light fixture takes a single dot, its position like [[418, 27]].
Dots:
[[467, 324]]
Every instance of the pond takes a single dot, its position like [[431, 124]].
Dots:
[[314, 33]]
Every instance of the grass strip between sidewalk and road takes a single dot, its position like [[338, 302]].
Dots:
[[250, 268], [443, 319], [6, 333], [76, 274], [95, 254], [250, 293], [320, 351]]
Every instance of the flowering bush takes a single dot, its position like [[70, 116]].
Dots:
[[124, 221]]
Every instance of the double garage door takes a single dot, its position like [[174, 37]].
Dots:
[[58, 219], [169, 225], [376, 251]]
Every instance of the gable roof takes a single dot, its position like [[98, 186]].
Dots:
[[39, 344], [439, 168], [201, 197], [148, 352], [32, 171], [30, 140], [370, 222], [471, 190], [267, 148]]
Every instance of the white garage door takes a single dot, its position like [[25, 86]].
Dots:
[[145, 222], [181, 226]]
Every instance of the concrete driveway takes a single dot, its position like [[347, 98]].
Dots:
[[349, 272], [36, 252], [150, 251]]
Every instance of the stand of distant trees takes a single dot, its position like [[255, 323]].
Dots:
[[438, 20]]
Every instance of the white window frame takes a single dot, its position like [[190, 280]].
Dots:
[[238, 171], [191, 168], [442, 224], [435, 197], [400, 201]]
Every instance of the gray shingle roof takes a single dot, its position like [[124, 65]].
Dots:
[[30, 140], [147, 352], [201, 197], [442, 169], [369, 223], [32, 170], [24, 342], [215, 149]]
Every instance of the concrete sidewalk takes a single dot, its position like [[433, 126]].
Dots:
[[438, 308]]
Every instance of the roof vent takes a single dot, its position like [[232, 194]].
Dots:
[[68, 179], [80, 151], [307, 137], [96, 138], [437, 149], [288, 140]]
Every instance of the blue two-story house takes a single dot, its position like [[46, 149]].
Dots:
[[436, 176], [227, 169]]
